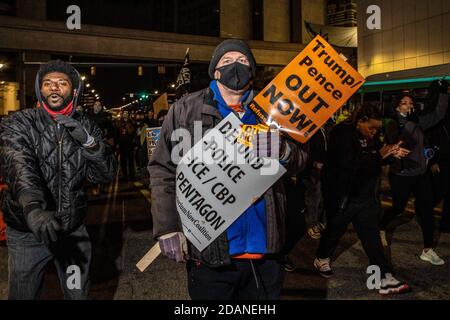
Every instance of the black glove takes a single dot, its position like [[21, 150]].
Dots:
[[438, 86], [75, 129], [43, 225], [444, 85]]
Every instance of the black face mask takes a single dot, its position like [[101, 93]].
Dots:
[[235, 76]]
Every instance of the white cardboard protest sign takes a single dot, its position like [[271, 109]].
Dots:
[[217, 180], [152, 135]]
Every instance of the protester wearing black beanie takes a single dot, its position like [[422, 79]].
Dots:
[[227, 46]]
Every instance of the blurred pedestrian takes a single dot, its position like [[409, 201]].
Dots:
[[440, 139], [126, 150], [411, 175], [99, 117]]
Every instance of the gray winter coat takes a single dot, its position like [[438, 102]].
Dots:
[[199, 106]]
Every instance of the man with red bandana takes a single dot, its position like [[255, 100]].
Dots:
[[47, 156]]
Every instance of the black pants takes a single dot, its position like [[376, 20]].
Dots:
[[127, 163], [27, 259], [238, 281], [295, 218], [421, 188], [364, 215], [143, 155], [442, 192]]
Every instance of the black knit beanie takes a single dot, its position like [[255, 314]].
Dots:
[[227, 46]]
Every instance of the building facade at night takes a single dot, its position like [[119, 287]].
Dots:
[[414, 34], [151, 31]]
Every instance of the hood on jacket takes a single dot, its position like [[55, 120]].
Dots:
[[70, 103]]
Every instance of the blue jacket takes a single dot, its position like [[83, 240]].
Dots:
[[248, 233]]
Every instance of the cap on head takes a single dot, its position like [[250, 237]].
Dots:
[[227, 46]]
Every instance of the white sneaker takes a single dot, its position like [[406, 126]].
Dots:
[[383, 238], [390, 285], [324, 267], [432, 257]]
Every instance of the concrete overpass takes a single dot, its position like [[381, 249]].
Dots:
[[50, 37]]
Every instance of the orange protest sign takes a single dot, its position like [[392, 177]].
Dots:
[[308, 91]]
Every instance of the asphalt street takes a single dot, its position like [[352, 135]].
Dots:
[[120, 226]]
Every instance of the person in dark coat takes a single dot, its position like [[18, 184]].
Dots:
[[351, 175], [411, 175], [47, 157]]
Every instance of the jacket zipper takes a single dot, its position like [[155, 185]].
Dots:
[[60, 159]]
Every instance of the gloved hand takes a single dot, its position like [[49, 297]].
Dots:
[[438, 86], [43, 225], [271, 145], [76, 130], [443, 84], [173, 246]]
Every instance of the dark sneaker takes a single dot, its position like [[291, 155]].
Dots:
[[323, 267], [288, 265]]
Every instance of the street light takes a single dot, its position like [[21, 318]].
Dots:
[[93, 90], [156, 91], [172, 85], [83, 78], [1, 65], [88, 85]]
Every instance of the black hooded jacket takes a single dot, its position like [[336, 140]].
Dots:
[[352, 167], [412, 135], [42, 164]]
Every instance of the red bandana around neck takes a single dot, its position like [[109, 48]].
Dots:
[[237, 107], [67, 111]]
